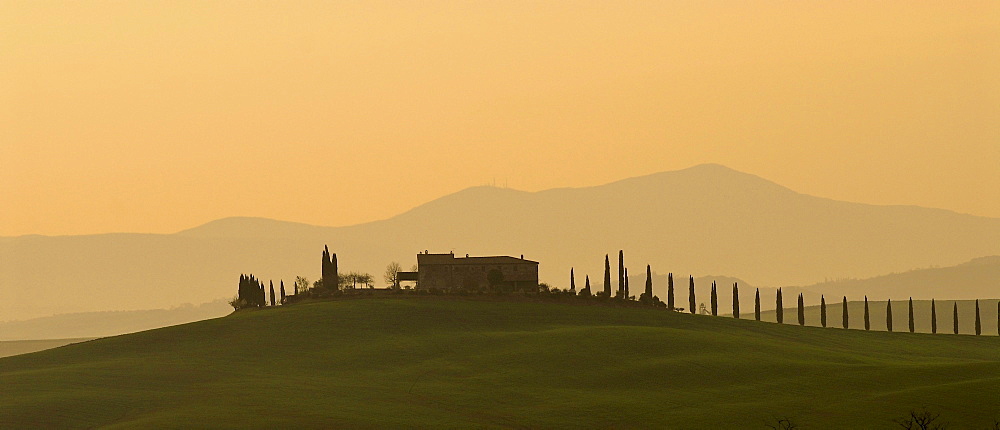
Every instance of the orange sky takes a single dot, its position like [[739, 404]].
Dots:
[[159, 116]]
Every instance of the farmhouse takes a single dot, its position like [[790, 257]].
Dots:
[[446, 272]]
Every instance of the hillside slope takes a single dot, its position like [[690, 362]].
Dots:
[[451, 363], [703, 220]]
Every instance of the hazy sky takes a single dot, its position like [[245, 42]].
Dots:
[[160, 116]]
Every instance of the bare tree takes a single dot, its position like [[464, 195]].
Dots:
[[365, 278], [391, 275], [920, 420], [783, 423], [301, 284]]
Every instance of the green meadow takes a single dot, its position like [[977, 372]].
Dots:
[[440, 362]]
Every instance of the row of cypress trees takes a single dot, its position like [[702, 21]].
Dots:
[[251, 293], [648, 297]]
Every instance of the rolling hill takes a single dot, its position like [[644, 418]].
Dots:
[[447, 362], [707, 219]]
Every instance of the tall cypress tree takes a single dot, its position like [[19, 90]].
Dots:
[[756, 305], [283, 292], [649, 284], [779, 309], [691, 299], [736, 301], [888, 315], [911, 315], [670, 292], [607, 276], [572, 281], [933, 317], [586, 288], [802, 310], [956, 317], [621, 274], [822, 310], [715, 301], [846, 315], [626, 284], [272, 294], [979, 327], [868, 321]]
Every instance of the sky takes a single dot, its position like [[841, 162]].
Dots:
[[155, 117]]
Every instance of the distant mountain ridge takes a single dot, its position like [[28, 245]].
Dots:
[[701, 220]]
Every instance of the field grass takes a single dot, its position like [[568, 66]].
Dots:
[[458, 363]]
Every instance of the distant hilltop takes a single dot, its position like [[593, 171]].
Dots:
[[707, 219]]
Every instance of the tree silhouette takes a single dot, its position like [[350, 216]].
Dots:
[[572, 281], [691, 300], [802, 311], [715, 301], [822, 310], [607, 276], [283, 292], [979, 327], [621, 274], [736, 301], [586, 287], [391, 275], [933, 317], [888, 315], [272, 294], [868, 321], [847, 319], [956, 317], [779, 309], [756, 305], [911, 315], [649, 284], [670, 292], [626, 284]]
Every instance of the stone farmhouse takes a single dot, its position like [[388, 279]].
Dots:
[[447, 272]]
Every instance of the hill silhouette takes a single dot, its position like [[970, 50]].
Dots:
[[707, 219], [463, 363]]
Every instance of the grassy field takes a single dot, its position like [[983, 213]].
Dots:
[[456, 363]]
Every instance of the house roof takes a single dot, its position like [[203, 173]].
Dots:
[[451, 259]]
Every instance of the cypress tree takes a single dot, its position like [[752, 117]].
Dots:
[[586, 287], [621, 273], [802, 311], [282, 292], [691, 301], [715, 301], [607, 276], [933, 317], [572, 281], [847, 319], [736, 301], [888, 315], [670, 292], [272, 294], [822, 310], [779, 309], [868, 321], [756, 305], [979, 327], [956, 317], [649, 284], [911, 315], [626, 284]]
